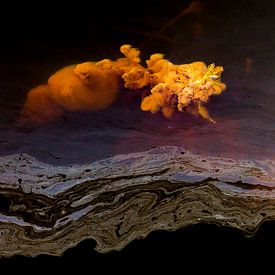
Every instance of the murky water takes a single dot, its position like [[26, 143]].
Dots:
[[245, 113], [106, 200]]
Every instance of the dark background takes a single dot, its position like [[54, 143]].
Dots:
[[202, 249], [33, 34]]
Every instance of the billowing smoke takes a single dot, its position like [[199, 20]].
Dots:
[[93, 86]]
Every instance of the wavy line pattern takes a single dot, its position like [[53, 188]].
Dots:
[[47, 208]]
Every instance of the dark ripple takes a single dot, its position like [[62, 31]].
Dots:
[[206, 242]]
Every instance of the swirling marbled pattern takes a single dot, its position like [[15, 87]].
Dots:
[[47, 208]]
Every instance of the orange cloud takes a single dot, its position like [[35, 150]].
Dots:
[[93, 86]]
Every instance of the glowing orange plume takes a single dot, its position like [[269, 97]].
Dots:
[[93, 86]]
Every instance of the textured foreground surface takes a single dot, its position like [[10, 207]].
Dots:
[[47, 209], [96, 175]]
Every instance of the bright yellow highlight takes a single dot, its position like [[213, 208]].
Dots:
[[92, 86], [181, 87]]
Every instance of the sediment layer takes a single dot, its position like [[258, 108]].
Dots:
[[47, 208]]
